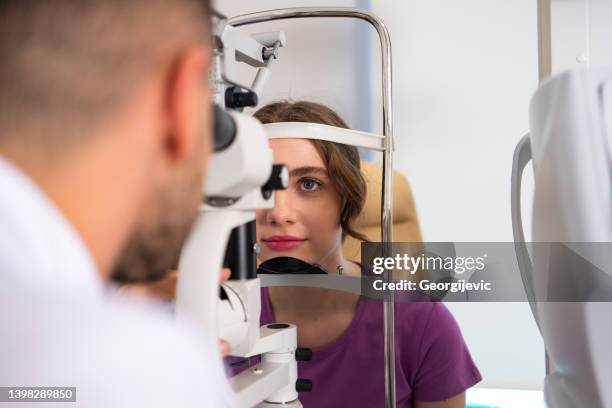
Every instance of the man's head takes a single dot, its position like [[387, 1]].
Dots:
[[106, 105]]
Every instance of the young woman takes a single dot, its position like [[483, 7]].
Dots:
[[309, 221]]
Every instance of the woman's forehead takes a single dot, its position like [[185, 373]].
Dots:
[[295, 153]]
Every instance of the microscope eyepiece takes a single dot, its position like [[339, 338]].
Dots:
[[225, 129], [279, 180]]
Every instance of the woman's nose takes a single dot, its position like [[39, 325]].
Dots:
[[283, 212]]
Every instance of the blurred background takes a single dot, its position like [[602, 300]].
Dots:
[[463, 75]]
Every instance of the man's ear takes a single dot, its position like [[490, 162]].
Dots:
[[187, 104]]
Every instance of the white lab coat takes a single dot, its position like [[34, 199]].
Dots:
[[61, 326]]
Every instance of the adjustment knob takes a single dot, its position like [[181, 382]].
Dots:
[[303, 385], [236, 99], [303, 354]]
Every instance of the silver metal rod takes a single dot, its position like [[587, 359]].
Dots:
[[544, 39], [387, 193], [544, 71]]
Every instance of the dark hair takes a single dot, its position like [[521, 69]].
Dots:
[[342, 161], [67, 64]]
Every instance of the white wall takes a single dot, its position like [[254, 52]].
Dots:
[[322, 60], [464, 72], [581, 33]]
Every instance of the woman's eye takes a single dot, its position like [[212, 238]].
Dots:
[[309, 185]]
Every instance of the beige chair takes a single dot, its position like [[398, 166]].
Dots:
[[405, 223]]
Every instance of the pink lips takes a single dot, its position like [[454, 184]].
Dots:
[[283, 242]]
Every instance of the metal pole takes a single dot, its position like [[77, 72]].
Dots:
[[544, 71], [387, 193], [544, 39]]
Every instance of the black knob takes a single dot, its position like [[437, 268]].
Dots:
[[303, 354], [302, 385], [236, 99]]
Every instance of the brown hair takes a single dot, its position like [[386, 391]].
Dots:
[[342, 161]]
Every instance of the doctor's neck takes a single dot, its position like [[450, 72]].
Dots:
[[86, 191]]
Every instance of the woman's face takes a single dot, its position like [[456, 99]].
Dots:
[[305, 220]]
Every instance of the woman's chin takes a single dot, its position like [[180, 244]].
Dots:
[[278, 254], [269, 254]]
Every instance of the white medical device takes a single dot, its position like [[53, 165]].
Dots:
[[241, 179], [570, 144]]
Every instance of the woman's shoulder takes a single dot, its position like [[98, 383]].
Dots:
[[430, 323], [420, 325], [432, 351], [411, 313], [425, 314]]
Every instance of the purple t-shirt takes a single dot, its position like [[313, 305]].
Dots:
[[432, 362]]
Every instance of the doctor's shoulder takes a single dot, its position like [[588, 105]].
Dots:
[[167, 360], [116, 354]]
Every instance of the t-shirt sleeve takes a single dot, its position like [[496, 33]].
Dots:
[[445, 365]]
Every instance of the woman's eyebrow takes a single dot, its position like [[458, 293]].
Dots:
[[301, 171]]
